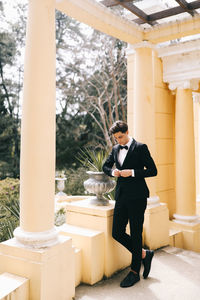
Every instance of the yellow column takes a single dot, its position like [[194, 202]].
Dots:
[[130, 53], [196, 100], [185, 158], [37, 178], [141, 122], [144, 105]]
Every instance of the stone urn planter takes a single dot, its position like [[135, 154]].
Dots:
[[60, 196], [99, 183]]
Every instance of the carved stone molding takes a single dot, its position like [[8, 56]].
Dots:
[[36, 239], [131, 48], [196, 97], [181, 65], [184, 84], [186, 219]]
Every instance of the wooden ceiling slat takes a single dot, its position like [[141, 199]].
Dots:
[[186, 6], [168, 12], [151, 19], [136, 11]]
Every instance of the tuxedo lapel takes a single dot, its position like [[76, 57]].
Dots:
[[130, 150], [116, 156]]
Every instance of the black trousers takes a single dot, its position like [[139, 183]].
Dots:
[[132, 211]]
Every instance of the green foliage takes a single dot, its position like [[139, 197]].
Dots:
[[9, 207], [91, 159], [71, 135], [91, 88], [74, 183], [9, 106], [60, 217], [111, 195]]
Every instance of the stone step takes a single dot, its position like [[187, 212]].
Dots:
[[91, 243], [13, 287], [175, 238]]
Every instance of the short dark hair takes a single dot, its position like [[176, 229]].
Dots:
[[118, 126]]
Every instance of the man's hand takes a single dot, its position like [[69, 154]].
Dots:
[[117, 173], [126, 173]]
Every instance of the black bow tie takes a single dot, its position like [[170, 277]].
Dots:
[[124, 147]]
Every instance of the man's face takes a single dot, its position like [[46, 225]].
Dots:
[[121, 138]]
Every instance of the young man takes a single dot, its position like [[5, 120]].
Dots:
[[133, 163]]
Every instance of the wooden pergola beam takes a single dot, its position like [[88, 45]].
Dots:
[[168, 12], [186, 6], [131, 7], [100, 18]]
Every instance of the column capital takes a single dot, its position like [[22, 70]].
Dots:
[[131, 48], [196, 97], [192, 84]]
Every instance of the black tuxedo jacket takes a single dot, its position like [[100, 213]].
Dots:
[[137, 158]]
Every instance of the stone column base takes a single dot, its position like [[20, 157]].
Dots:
[[50, 270], [84, 214], [36, 239], [156, 224], [187, 220], [190, 234]]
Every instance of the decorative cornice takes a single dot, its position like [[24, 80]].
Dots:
[[178, 48], [196, 99], [181, 65], [184, 84]]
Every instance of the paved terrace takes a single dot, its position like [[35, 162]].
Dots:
[[175, 275]]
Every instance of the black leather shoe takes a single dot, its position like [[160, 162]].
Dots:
[[130, 280], [147, 262]]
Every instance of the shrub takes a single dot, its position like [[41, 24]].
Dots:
[[9, 207], [60, 217]]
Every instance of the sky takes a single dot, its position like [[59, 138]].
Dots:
[[9, 9]]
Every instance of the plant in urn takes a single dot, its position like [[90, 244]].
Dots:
[[98, 183]]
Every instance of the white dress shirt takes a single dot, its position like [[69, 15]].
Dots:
[[122, 155]]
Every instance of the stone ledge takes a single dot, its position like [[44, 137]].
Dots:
[[85, 207], [12, 285]]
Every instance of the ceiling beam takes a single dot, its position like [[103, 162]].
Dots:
[[186, 6], [131, 7], [138, 12], [100, 18], [173, 30], [168, 12]]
